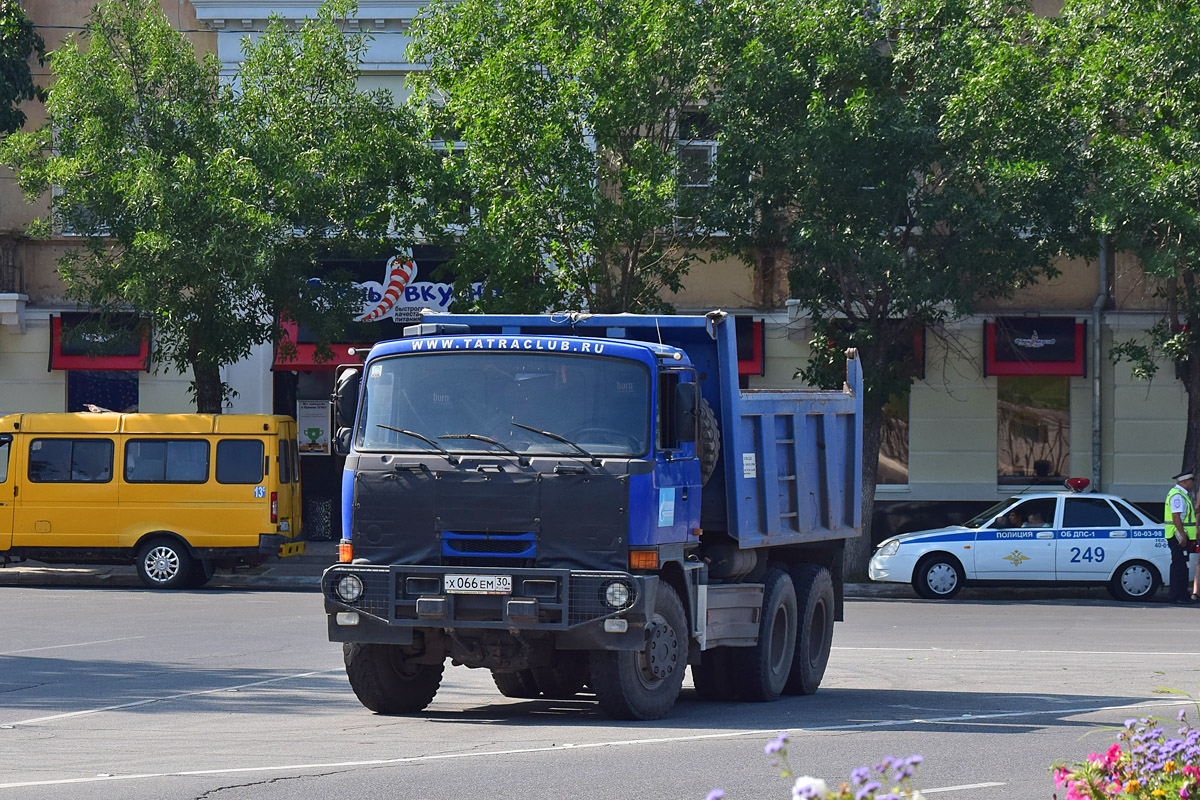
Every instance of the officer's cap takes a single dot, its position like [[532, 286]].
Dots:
[[1187, 474]]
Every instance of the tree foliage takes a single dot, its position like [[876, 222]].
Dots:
[[205, 206], [19, 42], [1134, 75], [564, 192], [853, 152]]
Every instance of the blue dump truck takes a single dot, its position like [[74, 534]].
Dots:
[[578, 502]]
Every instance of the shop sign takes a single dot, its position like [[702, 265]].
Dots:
[[400, 297], [313, 424]]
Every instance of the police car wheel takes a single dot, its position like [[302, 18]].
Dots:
[[938, 577], [1135, 580]]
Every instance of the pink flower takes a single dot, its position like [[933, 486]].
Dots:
[[1113, 755], [1191, 772], [1060, 776]]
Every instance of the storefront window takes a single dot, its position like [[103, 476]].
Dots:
[[112, 390], [1033, 436], [893, 442]]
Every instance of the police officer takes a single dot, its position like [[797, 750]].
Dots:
[[1179, 527]]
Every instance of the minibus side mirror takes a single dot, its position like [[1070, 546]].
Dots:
[[687, 412], [345, 397], [342, 441]]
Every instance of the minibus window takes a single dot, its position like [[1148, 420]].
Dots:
[[70, 460], [240, 461], [285, 461], [5, 448], [166, 461]]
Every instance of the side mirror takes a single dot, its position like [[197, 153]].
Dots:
[[687, 412], [345, 397], [342, 441]]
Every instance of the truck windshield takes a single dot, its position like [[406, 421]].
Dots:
[[600, 404]]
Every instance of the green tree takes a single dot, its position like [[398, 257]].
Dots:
[[19, 42], [852, 154], [206, 206], [564, 192], [1133, 73]]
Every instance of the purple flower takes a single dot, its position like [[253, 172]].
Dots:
[[776, 744], [859, 774], [866, 790], [715, 794]]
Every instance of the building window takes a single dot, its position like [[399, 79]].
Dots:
[[1034, 425], [893, 441], [696, 147], [108, 390]]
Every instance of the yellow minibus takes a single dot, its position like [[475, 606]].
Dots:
[[174, 494]]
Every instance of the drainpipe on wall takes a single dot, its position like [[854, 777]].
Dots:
[[1097, 355]]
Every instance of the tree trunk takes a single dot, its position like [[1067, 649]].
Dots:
[[1191, 383], [208, 387], [858, 551]]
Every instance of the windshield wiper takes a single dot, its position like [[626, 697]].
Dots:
[[522, 460], [453, 459], [563, 439]]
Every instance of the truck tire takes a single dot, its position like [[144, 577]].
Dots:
[[387, 681], [763, 670], [519, 684], [708, 444], [814, 633], [714, 676], [164, 564], [565, 677], [644, 684]]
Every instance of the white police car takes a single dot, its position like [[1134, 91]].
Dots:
[[1046, 536]]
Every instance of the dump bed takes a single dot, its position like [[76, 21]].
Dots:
[[791, 463]]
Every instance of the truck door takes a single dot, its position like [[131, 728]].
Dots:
[[8, 482], [1092, 539], [677, 470], [1019, 545]]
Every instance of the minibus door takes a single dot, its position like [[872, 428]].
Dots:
[[8, 482]]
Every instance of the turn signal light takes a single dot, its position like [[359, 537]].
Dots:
[[345, 551], [643, 559]]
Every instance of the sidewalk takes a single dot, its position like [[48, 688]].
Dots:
[[303, 573]]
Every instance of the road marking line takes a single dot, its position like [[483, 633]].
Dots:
[[964, 787], [1014, 650], [76, 644], [180, 696], [378, 762]]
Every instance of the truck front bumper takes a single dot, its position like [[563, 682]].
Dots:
[[397, 599]]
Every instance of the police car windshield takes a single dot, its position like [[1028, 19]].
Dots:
[[602, 404], [987, 516]]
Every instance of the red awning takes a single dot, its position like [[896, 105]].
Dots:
[[78, 342], [305, 357]]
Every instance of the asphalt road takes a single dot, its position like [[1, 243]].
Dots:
[[124, 693]]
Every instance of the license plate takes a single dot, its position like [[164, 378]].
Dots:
[[477, 584]]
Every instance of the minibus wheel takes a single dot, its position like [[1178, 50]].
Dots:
[[164, 564]]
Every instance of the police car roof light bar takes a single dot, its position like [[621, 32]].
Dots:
[[1078, 484]]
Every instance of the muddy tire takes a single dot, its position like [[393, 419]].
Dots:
[[708, 442], [387, 681], [814, 631], [519, 684], [565, 677], [714, 677], [644, 684], [763, 670]]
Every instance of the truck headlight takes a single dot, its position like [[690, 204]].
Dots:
[[889, 548], [617, 594], [349, 588]]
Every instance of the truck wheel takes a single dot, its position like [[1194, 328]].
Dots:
[[708, 445], [763, 669], [1135, 580], [713, 677], [814, 633], [520, 683], [939, 576], [164, 564], [564, 678], [202, 572], [387, 681], [644, 684]]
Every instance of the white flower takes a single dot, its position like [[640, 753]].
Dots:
[[916, 795], [807, 787]]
